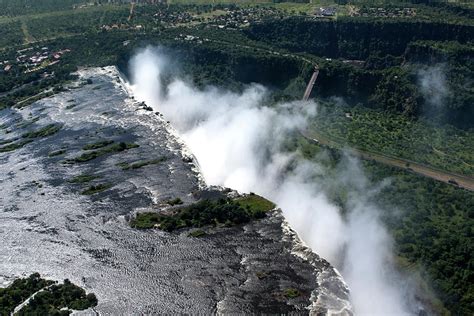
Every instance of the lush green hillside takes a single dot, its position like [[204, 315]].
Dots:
[[445, 148], [354, 38], [430, 221], [385, 81]]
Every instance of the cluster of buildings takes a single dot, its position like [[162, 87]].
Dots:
[[222, 17], [5, 66], [190, 38], [239, 17], [174, 17], [325, 12], [31, 59], [121, 27], [100, 2]]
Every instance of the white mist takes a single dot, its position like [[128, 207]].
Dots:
[[237, 143]]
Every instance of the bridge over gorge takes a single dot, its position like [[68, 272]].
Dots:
[[310, 85], [458, 180]]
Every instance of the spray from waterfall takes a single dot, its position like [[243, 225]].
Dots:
[[238, 143]]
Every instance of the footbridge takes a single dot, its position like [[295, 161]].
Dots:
[[310, 85]]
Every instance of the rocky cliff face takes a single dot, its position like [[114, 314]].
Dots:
[[66, 200]]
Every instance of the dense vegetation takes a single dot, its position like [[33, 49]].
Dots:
[[97, 145], [446, 148], [19, 291], [207, 212], [434, 232], [383, 82], [11, 34], [46, 131], [353, 38], [430, 221], [57, 153], [52, 298]]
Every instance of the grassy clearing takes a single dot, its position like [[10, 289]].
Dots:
[[255, 203]]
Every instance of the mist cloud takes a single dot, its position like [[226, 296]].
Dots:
[[433, 86], [238, 144]]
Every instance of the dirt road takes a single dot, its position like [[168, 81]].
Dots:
[[461, 181]]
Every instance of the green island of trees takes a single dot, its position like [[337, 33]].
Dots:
[[228, 212], [49, 297]]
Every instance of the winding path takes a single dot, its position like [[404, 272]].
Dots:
[[25, 302]]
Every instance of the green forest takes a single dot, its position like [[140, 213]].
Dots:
[[431, 223], [221, 212]]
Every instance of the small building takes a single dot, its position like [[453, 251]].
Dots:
[[329, 11]]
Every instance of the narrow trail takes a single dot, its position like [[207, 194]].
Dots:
[[454, 179], [25, 302], [27, 36]]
